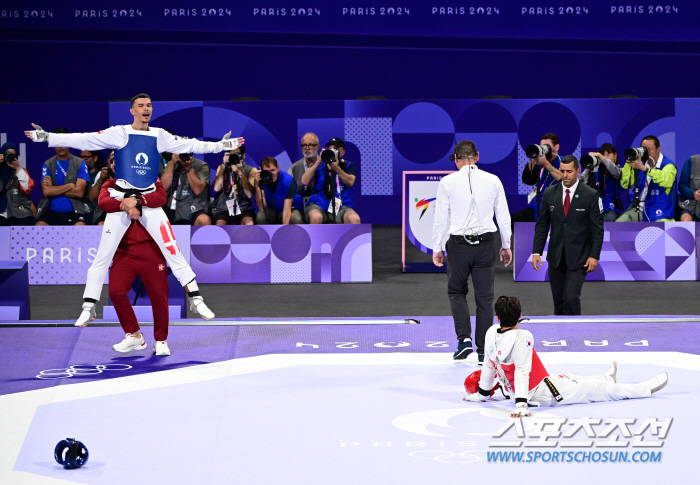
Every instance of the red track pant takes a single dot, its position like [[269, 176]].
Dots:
[[145, 260]]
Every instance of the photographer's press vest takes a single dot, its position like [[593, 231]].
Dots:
[[18, 203], [244, 203], [80, 206], [186, 203], [658, 204], [275, 201], [692, 205]]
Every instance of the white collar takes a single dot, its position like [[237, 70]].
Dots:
[[467, 167], [572, 189]]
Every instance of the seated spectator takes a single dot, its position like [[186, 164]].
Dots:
[[331, 200], [93, 160], [309, 151], [186, 180], [15, 186], [105, 174], [605, 178], [276, 196], [657, 185], [233, 184], [689, 187], [63, 182]]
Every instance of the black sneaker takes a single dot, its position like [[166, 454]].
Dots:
[[463, 349], [481, 359]]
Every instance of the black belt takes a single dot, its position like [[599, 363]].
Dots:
[[553, 390], [472, 239]]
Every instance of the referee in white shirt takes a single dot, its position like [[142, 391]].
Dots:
[[467, 201]]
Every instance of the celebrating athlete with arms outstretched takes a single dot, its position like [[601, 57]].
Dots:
[[136, 161], [511, 358]]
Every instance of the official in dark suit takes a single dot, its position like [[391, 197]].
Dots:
[[573, 211]]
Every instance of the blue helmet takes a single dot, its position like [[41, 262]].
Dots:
[[71, 453]]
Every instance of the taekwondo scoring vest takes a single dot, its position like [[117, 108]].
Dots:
[[137, 162], [506, 372]]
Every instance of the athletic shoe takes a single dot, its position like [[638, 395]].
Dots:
[[130, 343], [463, 349], [658, 382], [161, 348], [198, 306], [612, 371], [87, 315], [475, 359]]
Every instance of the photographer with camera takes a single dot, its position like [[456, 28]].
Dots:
[[601, 172], [15, 186], [331, 200], [233, 204], [689, 187], [309, 150], [652, 178], [63, 182], [186, 180], [541, 171], [276, 195], [105, 174]]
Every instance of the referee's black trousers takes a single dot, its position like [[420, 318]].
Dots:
[[479, 262], [566, 287]]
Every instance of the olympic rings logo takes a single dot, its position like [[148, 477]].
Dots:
[[80, 370], [445, 456], [141, 172]]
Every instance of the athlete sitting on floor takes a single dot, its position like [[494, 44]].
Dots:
[[511, 358]]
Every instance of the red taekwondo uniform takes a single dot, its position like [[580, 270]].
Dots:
[[510, 358], [138, 255]]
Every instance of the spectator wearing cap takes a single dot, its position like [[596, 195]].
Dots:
[[15, 186], [333, 180]]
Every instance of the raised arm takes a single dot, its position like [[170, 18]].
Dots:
[[177, 144], [114, 137]]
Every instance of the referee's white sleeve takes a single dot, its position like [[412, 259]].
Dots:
[[114, 137], [442, 209], [502, 215]]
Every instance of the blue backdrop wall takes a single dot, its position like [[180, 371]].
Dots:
[[93, 50], [386, 138]]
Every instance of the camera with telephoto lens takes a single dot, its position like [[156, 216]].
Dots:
[[537, 151], [265, 177], [9, 157], [631, 154], [329, 155], [185, 157], [590, 162], [233, 159]]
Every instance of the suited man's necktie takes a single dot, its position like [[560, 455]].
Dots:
[[567, 203]]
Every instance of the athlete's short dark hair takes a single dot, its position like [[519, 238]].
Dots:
[[142, 95], [61, 131], [508, 310]]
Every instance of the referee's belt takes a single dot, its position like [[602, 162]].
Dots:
[[472, 239]]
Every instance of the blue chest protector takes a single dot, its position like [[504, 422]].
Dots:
[[137, 162]]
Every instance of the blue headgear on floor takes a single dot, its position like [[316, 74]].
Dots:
[[71, 453]]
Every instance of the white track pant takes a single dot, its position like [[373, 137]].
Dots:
[[584, 389], [116, 224]]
